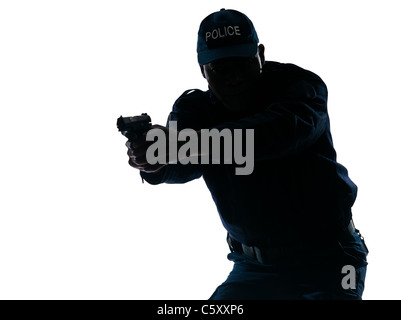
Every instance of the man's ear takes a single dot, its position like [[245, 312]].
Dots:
[[203, 71], [261, 51]]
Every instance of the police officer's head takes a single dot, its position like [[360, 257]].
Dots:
[[230, 57]]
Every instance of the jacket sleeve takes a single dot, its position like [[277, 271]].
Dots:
[[187, 114], [292, 122]]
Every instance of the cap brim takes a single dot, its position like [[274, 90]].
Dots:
[[242, 50]]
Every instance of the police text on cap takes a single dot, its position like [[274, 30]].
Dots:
[[223, 32]]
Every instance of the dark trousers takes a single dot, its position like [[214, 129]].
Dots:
[[339, 276]]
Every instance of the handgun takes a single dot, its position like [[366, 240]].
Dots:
[[134, 127]]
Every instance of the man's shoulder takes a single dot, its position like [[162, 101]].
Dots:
[[288, 71], [192, 98], [194, 94], [192, 104], [192, 109]]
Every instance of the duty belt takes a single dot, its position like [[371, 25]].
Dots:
[[272, 254]]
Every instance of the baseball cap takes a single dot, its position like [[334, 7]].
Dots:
[[224, 34]]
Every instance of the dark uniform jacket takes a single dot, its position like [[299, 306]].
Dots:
[[297, 191]]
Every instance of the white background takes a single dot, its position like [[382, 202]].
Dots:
[[77, 222]]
